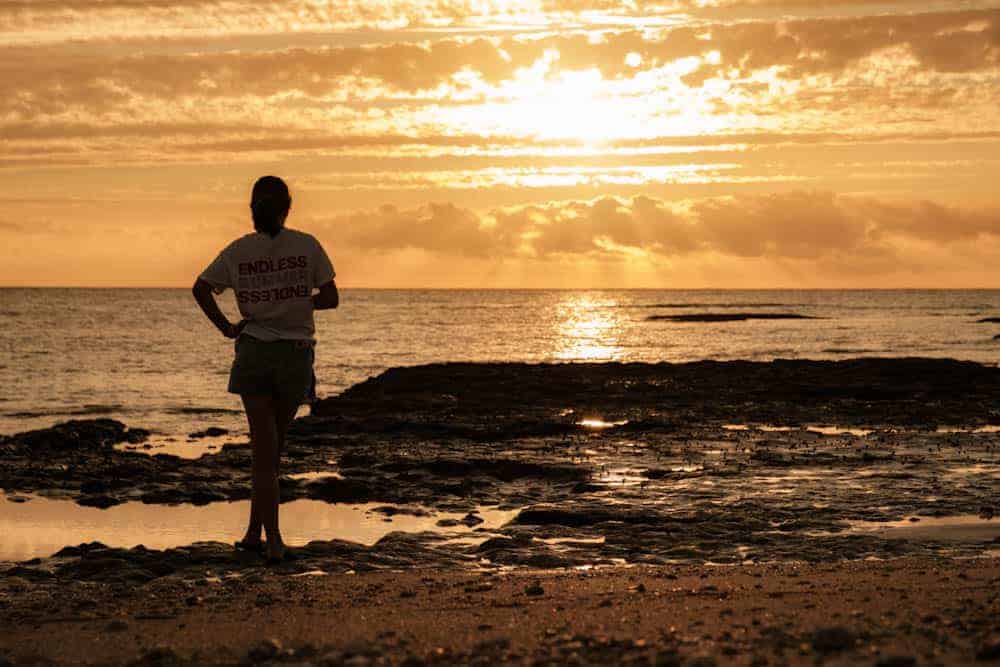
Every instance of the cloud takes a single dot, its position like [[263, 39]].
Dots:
[[962, 41], [796, 226]]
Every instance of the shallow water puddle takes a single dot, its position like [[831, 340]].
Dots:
[[314, 475], [40, 526], [991, 428], [185, 448], [823, 430], [961, 528]]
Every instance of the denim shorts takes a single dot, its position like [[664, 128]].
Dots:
[[281, 368]]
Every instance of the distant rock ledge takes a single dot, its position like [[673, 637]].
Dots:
[[729, 317], [510, 396]]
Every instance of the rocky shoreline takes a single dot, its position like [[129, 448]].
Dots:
[[667, 466]]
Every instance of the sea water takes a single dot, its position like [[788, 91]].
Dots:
[[149, 357]]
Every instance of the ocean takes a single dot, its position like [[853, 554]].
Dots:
[[150, 359]]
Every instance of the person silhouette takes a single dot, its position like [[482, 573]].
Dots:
[[280, 276]]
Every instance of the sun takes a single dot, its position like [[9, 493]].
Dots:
[[548, 103]]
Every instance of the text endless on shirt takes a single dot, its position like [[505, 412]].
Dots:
[[273, 279]]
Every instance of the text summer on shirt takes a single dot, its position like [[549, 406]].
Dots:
[[273, 280]]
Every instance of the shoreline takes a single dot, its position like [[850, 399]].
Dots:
[[722, 528]]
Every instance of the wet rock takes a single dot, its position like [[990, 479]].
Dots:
[[266, 649], [393, 510], [534, 589], [728, 317], [988, 649], [116, 625], [832, 639], [469, 520], [99, 501], [210, 432], [896, 661], [702, 661], [161, 656]]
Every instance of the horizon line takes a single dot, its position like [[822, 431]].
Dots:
[[541, 289]]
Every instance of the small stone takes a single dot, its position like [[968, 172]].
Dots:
[[702, 661], [265, 649], [832, 639], [160, 656], [988, 649], [116, 625], [534, 589], [306, 651], [668, 659], [193, 600], [897, 661]]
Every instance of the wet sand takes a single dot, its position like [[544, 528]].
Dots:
[[901, 612], [793, 475]]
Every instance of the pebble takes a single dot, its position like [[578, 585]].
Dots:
[[159, 656], [897, 661], [534, 589], [832, 639], [989, 649], [116, 625], [265, 649]]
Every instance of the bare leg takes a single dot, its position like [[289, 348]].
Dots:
[[254, 527], [264, 437], [285, 414]]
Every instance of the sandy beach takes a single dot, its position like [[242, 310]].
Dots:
[[891, 613], [791, 512]]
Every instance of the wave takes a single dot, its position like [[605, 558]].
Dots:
[[189, 410], [732, 304], [90, 409]]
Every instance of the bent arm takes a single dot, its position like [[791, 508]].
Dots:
[[327, 297], [202, 292]]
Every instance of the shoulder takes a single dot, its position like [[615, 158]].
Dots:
[[242, 242], [304, 238]]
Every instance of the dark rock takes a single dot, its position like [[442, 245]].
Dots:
[[729, 317], [161, 656], [99, 501], [116, 625], [832, 639], [896, 661], [210, 432], [266, 649], [534, 589], [988, 649]]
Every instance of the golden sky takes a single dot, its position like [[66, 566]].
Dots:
[[523, 143]]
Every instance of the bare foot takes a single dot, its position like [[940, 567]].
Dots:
[[275, 552]]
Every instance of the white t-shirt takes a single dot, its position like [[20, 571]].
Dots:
[[273, 279]]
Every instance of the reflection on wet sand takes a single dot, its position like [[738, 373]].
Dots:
[[39, 527]]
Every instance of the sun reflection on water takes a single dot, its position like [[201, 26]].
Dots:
[[588, 329]]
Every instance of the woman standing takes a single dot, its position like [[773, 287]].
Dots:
[[275, 273]]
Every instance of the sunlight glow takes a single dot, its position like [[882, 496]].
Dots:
[[588, 330]]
